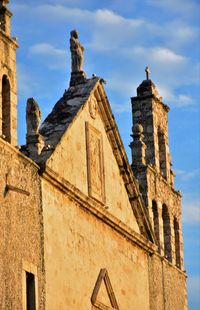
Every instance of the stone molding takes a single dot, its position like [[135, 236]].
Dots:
[[98, 209]]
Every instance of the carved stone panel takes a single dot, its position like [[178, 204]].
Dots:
[[93, 107], [95, 164], [99, 300]]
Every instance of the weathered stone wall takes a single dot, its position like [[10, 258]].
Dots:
[[77, 246], [149, 111], [163, 202], [8, 68], [86, 171], [156, 189], [83, 243], [167, 285], [161, 192], [21, 226]]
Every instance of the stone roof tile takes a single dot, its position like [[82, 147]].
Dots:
[[63, 114]]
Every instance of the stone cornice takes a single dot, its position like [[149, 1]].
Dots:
[[131, 185], [151, 169], [162, 179], [9, 39], [150, 96], [168, 263], [97, 209], [100, 211]]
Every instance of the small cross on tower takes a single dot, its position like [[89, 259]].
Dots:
[[147, 70]]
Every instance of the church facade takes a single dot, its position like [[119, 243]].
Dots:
[[81, 228]]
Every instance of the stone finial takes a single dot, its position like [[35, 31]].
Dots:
[[33, 117], [34, 140], [147, 70], [138, 147], [137, 129]]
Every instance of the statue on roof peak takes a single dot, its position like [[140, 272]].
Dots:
[[77, 52]]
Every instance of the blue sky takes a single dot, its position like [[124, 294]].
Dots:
[[120, 39]]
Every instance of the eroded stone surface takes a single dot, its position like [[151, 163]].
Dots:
[[80, 209], [154, 173]]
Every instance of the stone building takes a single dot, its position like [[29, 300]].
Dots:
[[81, 228]]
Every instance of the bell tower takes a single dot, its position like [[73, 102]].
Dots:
[[151, 164], [8, 85]]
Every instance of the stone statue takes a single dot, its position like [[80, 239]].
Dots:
[[147, 70], [33, 117], [76, 52]]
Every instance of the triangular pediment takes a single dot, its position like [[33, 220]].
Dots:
[[103, 296], [87, 115]]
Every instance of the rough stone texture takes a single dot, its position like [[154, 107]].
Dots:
[[167, 285], [73, 146], [81, 210], [21, 226], [83, 244], [63, 114], [8, 123], [156, 180]]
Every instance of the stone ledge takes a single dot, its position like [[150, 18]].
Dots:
[[165, 260], [150, 96], [5, 36], [98, 210]]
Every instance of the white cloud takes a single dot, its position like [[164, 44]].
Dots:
[[165, 55], [121, 108], [187, 175], [155, 54], [121, 83], [111, 30], [47, 49], [189, 7], [131, 41], [176, 100], [184, 100], [193, 287], [27, 82], [191, 212], [55, 58]]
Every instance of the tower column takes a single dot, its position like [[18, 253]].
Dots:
[[8, 88], [151, 164]]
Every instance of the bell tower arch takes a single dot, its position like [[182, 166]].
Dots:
[[8, 84]]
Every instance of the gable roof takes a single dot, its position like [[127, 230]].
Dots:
[[63, 114], [65, 110]]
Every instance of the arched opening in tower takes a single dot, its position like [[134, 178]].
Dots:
[[6, 109], [177, 243], [156, 223], [167, 233], [162, 153]]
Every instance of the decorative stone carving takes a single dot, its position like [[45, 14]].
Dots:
[[147, 70], [34, 140], [77, 51], [95, 165], [33, 117], [93, 107], [103, 278], [138, 147]]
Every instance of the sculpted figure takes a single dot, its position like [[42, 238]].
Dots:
[[33, 117], [76, 52]]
